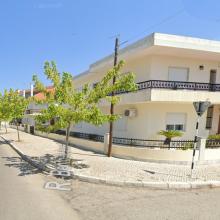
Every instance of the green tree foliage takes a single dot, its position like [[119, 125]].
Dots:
[[5, 108], [12, 107], [170, 134], [1, 115], [214, 137], [68, 107]]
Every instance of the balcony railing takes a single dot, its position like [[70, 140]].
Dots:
[[176, 85], [180, 144]]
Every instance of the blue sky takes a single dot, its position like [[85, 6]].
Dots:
[[77, 33]]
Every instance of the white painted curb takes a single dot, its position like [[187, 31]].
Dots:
[[151, 185]]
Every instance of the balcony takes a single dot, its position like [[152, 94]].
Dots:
[[171, 91], [161, 84]]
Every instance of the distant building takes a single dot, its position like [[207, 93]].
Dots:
[[33, 108]]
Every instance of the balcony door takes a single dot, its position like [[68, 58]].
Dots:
[[212, 79], [178, 74], [219, 125]]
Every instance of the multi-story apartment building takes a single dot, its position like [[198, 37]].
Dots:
[[171, 72]]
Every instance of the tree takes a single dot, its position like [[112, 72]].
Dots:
[[5, 109], [1, 116], [169, 135], [18, 107], [68, 107], [13, 107]]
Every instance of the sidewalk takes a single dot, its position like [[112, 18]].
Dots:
[[113, 169]]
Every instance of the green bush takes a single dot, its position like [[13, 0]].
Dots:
[[214, 137], [170, 134]]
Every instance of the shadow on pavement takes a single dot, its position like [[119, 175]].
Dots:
[[24, 167], [6, 142]]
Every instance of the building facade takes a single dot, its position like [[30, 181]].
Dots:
[[172, 72]]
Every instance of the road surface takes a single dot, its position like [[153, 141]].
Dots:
[[22, 197], [98, 202]]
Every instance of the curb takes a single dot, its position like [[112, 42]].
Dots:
[[25, 157], [150, 185]]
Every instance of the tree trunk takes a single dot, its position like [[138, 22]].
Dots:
[[6, 130], [67, 141], [18, 132], [168, 142]]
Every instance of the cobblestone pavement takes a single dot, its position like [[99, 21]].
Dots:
[[112, 168]]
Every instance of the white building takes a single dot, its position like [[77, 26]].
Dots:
[[172, 72]]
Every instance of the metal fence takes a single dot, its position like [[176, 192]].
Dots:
[[180, 144], [162, 84], [61, 132], [175, 85], [93, 137], [213, 144], [160, 144]]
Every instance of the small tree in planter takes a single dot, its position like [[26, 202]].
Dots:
[[169, 135], [68, 107]]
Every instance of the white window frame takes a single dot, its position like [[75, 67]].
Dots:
[[179, 67], [176, 123]]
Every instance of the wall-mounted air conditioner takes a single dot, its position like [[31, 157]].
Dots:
[[130, 112]]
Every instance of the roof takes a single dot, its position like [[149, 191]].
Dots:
[[40, 96], [35, 90]]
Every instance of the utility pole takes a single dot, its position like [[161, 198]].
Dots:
[[200, 108], [195, 140], [112, 105]]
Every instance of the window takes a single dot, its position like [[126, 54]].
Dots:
[[209, 117], [176, 121], [178, 127], [178, 74]]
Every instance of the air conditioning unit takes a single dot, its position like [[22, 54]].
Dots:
[[130, 112]]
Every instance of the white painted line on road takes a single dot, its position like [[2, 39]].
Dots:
[[57, 186]]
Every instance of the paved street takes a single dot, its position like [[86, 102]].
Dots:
[[23, 197], [98, 202]]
